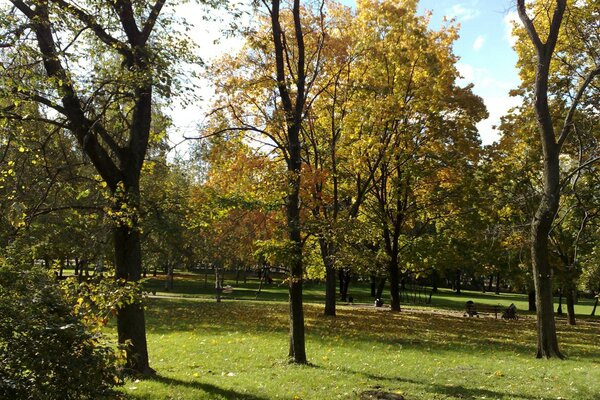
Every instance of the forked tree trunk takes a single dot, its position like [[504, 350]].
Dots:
[[294, 113], [547, 342]]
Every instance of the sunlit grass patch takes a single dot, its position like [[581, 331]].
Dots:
[[207, 350]]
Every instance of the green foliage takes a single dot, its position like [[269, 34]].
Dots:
[[46, 350]]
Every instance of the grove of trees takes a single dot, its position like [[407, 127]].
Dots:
[[340, 145]]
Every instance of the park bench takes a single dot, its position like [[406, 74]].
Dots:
[[473, 310]]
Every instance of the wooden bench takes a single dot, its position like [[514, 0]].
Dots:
[[473, 310]]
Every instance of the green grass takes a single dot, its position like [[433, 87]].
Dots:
[[197, 285], [237, 350], [207, 350]]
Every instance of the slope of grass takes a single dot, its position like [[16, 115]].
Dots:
[[237, 350]]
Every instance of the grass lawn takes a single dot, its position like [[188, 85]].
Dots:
[[201, 286], [237, 349]]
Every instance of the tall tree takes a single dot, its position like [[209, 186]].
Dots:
[[106, 105], [552, 141], [293, 95]]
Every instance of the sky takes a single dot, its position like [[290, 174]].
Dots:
[[487, 58], [485, 49]]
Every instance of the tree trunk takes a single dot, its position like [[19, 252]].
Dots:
[[327, 252], [559, 310], [498, 283], [344, 276], [394, 274], [531, 299], [169, 277], [570, 296], [595, 305], [457, 281], [380, 287], [373, 286], [547, 342], [491, 283], [547, 345], [131, 324]]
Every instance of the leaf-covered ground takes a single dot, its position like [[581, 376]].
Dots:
[[237, 349]]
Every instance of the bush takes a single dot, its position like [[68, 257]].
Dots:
[[46, 351]]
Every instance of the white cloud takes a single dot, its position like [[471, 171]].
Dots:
[[462, 12], [497, 107], [495, 96], [478, 44], [509, 22]]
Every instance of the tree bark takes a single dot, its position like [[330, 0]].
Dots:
[[547, 342], [394, 275], [344, 277], [531, 300], [327, 252], [131, 324]]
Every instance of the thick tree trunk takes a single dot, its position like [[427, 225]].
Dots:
[[547, 341], [570, 297], [131, 325]]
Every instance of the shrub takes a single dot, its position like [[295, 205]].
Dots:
[[46, 351]]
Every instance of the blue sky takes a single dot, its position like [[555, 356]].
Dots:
[[485, 48]]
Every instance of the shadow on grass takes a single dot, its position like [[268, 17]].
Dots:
[[211, 390], [412, 330], [455, 391]]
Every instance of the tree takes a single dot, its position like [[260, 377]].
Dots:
[[106, 105], [293, 107], [552, 141], [428, 131]]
